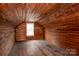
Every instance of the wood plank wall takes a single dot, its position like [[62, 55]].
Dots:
[[7, 39], [21, 32], [63, 38]]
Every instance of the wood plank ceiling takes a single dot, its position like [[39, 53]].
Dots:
[[45, 14], [18, 13], [65, 15]]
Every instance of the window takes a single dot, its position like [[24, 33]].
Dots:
[[30, 29]]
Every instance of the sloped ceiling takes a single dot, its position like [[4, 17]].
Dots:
[[18, 13], [48, 15], [66, 14]]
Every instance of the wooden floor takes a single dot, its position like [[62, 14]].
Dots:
[[35, 48]]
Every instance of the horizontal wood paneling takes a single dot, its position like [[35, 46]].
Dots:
[[7, 39], [21, 32]]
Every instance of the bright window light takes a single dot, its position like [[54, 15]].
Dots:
[[30, 29]]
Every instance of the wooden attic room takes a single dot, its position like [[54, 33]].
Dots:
[[39, 29]]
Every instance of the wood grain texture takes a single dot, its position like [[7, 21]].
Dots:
[[18, 13], [21, 32], [65, 14], [63, 38], [45, 14], [61, 22], [7, 39], [37, 48], [38, 32]]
